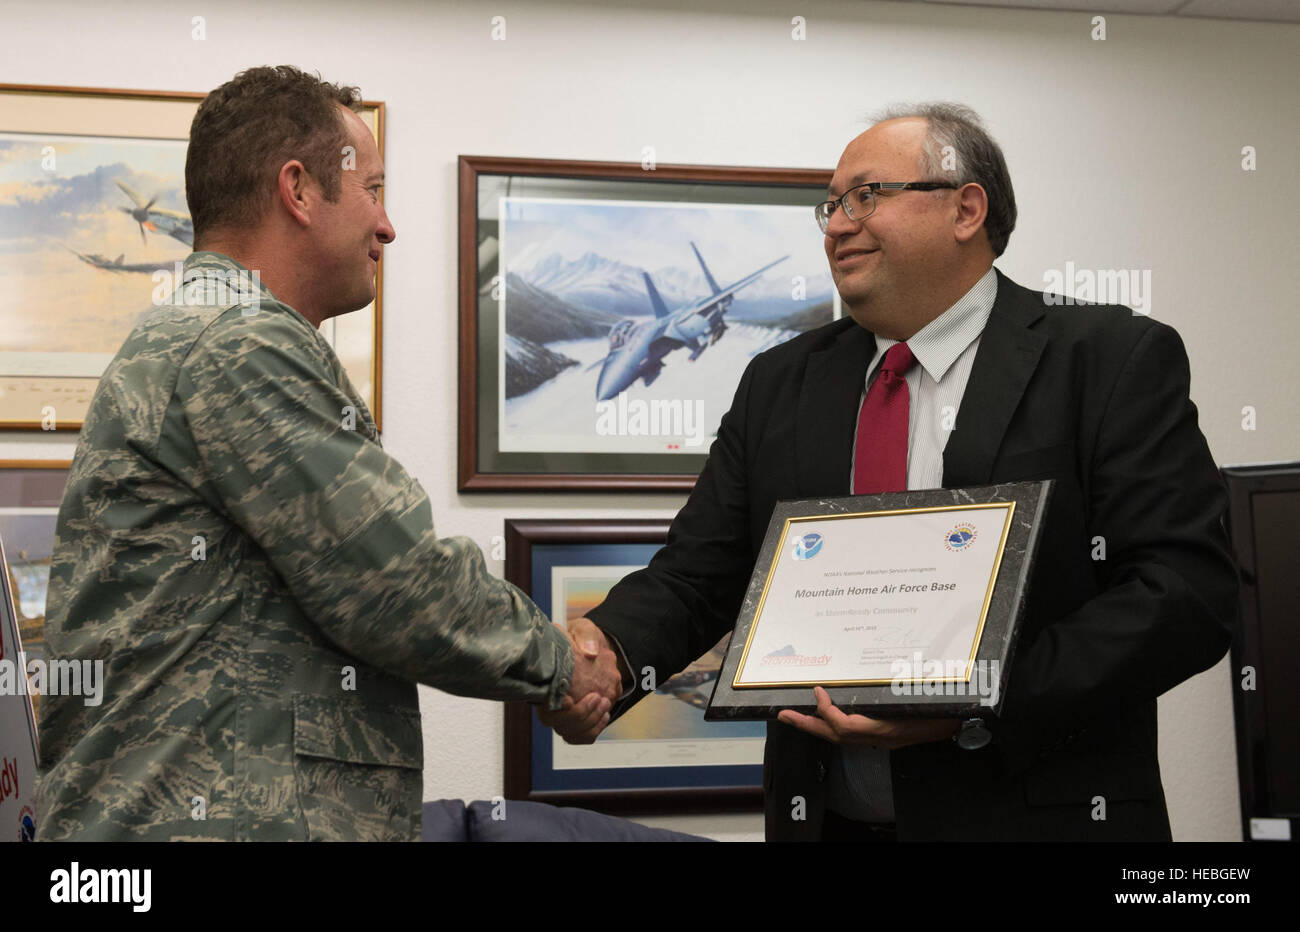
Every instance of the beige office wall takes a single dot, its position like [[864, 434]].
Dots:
[[1126, 154]]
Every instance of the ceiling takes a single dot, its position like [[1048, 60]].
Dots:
[[1273, 11]]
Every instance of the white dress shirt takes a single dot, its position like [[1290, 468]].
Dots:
[[859, 785]]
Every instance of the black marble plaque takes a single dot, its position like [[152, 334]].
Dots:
[[933, 697]]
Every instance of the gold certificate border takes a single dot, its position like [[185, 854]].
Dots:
[[1010, 508]]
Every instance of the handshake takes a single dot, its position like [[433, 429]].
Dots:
[[600, 678], [598, 682]]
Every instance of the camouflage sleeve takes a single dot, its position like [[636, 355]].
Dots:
[[347, 528]]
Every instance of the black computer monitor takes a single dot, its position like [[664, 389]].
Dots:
[[1264, 525]]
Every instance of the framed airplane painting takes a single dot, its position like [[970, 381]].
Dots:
[[93, 222], [608, 310], [658, 757], [30, 494]]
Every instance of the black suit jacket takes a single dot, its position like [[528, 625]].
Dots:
[[1093, 397]]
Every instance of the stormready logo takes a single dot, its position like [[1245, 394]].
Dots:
[[103, 885], [789, 657]]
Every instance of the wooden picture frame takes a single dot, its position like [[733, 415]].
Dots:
[[69, 150], [31, 492], [678, 765], [526, 331]]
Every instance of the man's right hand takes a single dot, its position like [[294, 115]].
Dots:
[[597, 684]]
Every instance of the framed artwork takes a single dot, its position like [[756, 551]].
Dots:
[[660, 756], [30, 494], [93, 220], [608, 310]]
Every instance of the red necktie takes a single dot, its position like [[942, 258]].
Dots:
[[880, 462]]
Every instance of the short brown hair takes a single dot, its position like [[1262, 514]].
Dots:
[[246, 129]]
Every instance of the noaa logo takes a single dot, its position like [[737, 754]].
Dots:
[[960, 537], [808, 546]]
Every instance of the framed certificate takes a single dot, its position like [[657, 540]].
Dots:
[[901, 604]]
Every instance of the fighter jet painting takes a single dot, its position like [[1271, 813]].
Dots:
[[610, 308], [637, 347], [694, 685]]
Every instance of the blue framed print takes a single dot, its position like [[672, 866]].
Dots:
[[661, 756]]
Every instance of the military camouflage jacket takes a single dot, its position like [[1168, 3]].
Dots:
[[265, 588]]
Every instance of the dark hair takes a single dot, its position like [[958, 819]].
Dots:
[[246, 129], [978, 159]]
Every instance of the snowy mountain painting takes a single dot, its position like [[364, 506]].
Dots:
[[625, 326]]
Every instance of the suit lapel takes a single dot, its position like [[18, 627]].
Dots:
[[828, 413], [1004, 363]]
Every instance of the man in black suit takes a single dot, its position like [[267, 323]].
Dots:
[[1133, 591]]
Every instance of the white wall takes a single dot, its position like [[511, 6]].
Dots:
[[1125, 154]]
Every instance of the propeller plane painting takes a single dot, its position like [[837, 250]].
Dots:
[[94, 231], [174, 223], [86, 222]]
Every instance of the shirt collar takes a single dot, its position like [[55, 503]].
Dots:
[[239, 280], [937, 345]]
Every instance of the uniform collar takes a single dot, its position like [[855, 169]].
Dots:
[[238, 278]]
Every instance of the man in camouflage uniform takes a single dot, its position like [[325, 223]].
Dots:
[[261, 580]]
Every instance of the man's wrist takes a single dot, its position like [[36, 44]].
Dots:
[[624, 669], [565, 664]]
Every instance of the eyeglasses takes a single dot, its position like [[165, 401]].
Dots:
[[860, 202]]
